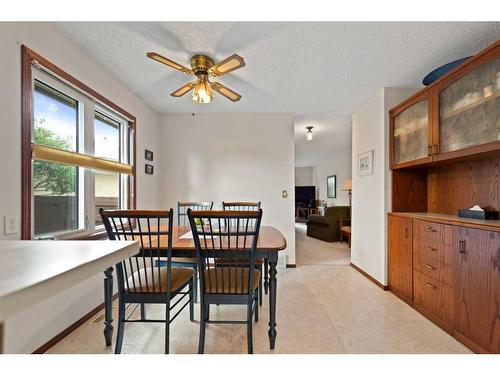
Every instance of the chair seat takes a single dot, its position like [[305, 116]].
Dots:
[[158, 284], [184, 260], [229, 280], [346, 229]]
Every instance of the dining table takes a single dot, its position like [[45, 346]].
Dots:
[[270, 242]]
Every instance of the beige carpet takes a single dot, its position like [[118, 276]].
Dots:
[[320, 309], [311, 251]]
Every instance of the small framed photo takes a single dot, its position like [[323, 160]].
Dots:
[[365, 163], [148, 155], [331, 186], [148, 169]]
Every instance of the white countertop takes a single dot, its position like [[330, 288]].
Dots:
[[31, 271]]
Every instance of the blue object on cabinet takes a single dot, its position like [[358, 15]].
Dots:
[[442, 70]]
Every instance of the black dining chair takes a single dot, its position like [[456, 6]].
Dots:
[[183, 222], [216, 239], [140, 278], [251, 206]]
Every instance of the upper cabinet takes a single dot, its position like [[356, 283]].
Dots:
[[456, 116], [469, 107], [410, 131]]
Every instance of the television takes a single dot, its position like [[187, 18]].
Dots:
[[305, 196]]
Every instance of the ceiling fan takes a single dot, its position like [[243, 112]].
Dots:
[[204, 67]]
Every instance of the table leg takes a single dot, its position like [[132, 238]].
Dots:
[[272, 303], [266, 274], [108, 303]]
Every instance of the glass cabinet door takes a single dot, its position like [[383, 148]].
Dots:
[[469, 109], [411, 130]]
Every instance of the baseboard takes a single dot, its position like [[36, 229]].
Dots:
[[376, 282], [49, 344], [291, 266]]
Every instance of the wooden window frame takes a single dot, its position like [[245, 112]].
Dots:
[[28, 58]]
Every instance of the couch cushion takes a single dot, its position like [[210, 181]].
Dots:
[[318, 220]]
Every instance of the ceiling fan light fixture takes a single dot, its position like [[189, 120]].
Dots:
[[309, 134], [202, 90]]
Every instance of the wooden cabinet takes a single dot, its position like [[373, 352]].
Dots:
[[455, 274], [410, 131], [456, 116], [477, 287], [400, 257]]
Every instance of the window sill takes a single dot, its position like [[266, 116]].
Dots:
[[101, 235]]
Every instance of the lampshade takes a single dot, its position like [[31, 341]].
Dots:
[[202, 91], [309, 134], [347, 185]]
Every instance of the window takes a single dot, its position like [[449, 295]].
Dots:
[[79, 157]]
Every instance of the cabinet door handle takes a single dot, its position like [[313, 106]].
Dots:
[[429, 150], [428, 266], [430, 229], [430, 286], [435, 149], [461, 246], [430, 248]]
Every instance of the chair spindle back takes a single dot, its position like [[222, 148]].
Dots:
[[153, 229], [226, 235], [182, 207]]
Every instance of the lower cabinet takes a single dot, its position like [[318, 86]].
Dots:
[[400, 257], [477, 287], [434, 299], [451, 274]]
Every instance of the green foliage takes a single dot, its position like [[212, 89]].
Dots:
[[51, 177]]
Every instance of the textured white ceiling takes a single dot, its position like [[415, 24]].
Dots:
[[322, 72]]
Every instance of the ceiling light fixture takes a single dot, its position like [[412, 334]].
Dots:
[[309, 134], [202, 92], [204, 67]]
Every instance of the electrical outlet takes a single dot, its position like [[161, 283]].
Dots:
[[10, 225]]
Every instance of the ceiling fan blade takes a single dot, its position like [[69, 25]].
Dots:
[[233, 62], [183, 90], [227, 92], [168, 62]]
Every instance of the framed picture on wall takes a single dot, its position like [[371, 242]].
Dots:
[[331, 186], [365, 163]]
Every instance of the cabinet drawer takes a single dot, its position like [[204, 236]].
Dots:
[[429, 230], [430, 266], [434, 297], [433, 249]]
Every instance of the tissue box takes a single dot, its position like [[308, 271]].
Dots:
[[484, 215]]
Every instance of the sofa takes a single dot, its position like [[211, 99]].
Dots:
[[327, 227]]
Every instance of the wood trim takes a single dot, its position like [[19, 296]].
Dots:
[[27, 105], [291, 266], [376, 282], [28, 57], [61, 335], [469, 343]]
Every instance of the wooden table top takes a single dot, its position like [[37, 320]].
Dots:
[[33, 270], [270, 238]]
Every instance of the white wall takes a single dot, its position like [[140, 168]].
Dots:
[[304, 176], [231, 157], [338, 164], [32, 328], [371, 194]]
